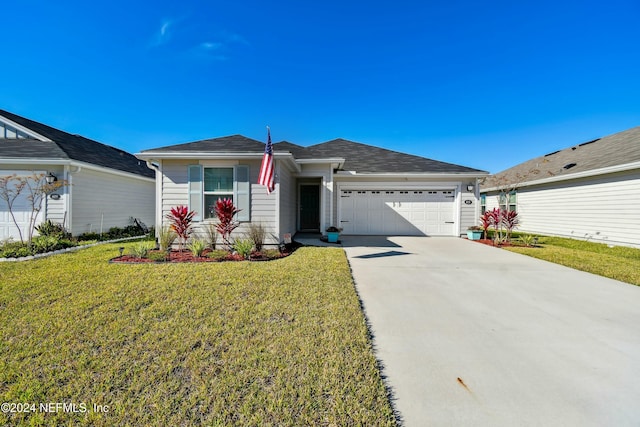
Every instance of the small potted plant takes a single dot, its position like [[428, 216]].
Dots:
[[333, 233], [474, 233]]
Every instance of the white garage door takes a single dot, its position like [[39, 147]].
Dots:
[[398, 212], [21, 210]]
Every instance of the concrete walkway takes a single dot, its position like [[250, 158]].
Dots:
[[476, 336]]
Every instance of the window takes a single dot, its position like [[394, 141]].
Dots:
[[218, 184], [483, 204], [208, 184], [511, 205]]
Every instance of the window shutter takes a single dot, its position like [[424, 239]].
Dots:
[[242, 192], [195, 191]]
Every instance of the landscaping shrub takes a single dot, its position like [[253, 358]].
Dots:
[[211, 234], [257, 233], [218, 254], [50, 228], [43, 244], [141, 249], [243, 247], [14, 250], [166, 237], [180, 219], [197, 247], [157, 256], [225, 211]]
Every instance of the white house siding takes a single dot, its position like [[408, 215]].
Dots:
[[603, 209], [327, 202], [287, 199], [466, 214], [101, 200], [175, 193]]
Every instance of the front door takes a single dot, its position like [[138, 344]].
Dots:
[[309, 207]]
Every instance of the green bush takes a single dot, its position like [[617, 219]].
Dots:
[[141, 249], [197, 246], [243, 247], [218, 254], [14, 250], [50, 228], [157, 256], [166, 237]]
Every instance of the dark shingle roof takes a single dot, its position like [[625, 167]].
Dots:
[[363, 158], [613, 150], [360, 158], [64, 145], [225, 144], [298, 151]]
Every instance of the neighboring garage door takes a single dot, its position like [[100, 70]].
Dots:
[[398, 212], [22, 212]]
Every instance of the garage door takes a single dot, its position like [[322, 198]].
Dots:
[[22, 212], [398, 212]]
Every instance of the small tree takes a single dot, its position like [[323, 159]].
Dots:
[[36, 188], [180, 219], [225, 211]]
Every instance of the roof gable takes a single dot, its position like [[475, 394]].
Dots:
[[610, 151], [63, 145]]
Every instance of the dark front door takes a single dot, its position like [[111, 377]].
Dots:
[[309, 207]]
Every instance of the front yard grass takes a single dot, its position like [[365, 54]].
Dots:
[[619, 262], [244, 343]]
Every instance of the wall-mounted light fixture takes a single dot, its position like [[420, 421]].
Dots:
[[51, 178], [470, 188]]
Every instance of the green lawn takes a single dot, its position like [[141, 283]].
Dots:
[[619, 262], [262, 343]]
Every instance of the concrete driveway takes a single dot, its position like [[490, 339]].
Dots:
[[473, 335]]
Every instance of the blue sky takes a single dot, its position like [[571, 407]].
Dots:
[[482, 84]]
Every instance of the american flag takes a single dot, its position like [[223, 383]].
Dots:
[[266, 169]]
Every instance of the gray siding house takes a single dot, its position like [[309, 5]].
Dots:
[[360, 188], [107, 186], [586, 191]]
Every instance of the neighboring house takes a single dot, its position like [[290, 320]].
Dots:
[[588, 191], [359, 188], [107, 186]]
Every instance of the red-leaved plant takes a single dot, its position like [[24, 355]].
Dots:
[[510, 221], [486, 221], [501, 221], [225, 211], [180, 219]]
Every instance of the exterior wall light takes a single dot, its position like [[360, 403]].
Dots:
[[51, 178], [470, 188]]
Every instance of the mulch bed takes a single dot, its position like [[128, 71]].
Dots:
[[187, 256], [490, 242]]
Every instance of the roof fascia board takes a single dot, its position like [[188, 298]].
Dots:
[[33, 161], [351, 174], [25, 129], [73, 163], [182, 155], [577, 175], [320, 160], [150, 156], [118, 172]]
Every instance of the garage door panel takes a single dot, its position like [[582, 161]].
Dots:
[[401, 212]]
